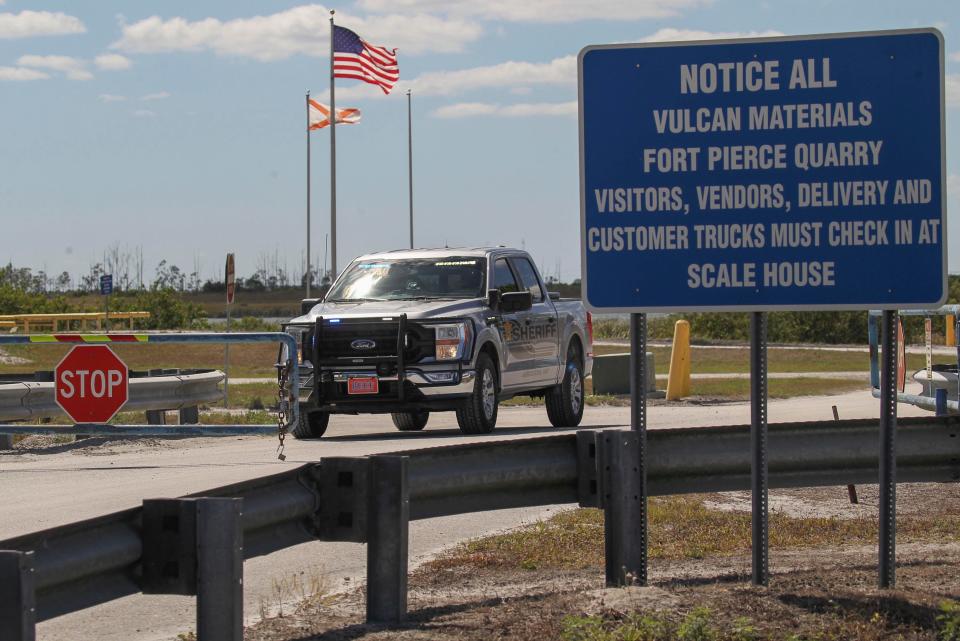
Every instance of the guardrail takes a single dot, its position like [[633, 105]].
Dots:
[[28, 400], [938, 402], [287, 406], [195, 545]]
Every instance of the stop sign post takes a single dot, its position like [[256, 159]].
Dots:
[[91, 383]]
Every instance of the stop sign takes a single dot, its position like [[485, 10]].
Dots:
[[91, 384]]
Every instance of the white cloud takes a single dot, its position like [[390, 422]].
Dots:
[[669, 34], [540, 10], [952, 89], [72, 68], [28, 24], [955, 56], [144, 113], [521, 110], [301, 30], [109, 97], [953, 185], [21, 73], [112, 62], [522, 76], [160, 95]]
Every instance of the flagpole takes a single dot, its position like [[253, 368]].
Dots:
[[308, 195], [333, 162], [410, 161]]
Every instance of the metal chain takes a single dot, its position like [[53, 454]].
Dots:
[[282, 406]]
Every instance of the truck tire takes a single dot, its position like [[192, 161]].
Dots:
[[565, 401], [410, 421], [311, 424], [478, 413]]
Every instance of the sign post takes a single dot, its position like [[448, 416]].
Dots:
[[91, 384], [762, 174], [230, 280], [106, 288]]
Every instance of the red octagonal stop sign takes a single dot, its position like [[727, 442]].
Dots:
[[91, 384]]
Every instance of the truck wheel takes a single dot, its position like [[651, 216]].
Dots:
[[311, 424], [478, 413], [410, 421], [565, 401]]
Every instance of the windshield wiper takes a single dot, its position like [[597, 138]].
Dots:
[[355, 300], [424, 298]]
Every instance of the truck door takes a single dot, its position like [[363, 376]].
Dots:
[[517, 368], [539, 324]]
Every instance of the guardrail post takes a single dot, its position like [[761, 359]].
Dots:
[[388, 522], [156, 417], [219, 569], [622, 507], [189, 415], [6, 441], [18, 613]]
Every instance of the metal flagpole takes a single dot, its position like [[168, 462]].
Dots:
[[410, 161], [333, 161], [308, 195]]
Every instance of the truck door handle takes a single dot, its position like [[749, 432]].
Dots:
[[551, 319], [526, 322]]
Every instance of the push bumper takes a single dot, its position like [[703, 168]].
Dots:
[[422, 389]]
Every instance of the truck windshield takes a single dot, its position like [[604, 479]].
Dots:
[[412, 279]]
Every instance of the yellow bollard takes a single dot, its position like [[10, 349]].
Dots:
[[678, 382], [951, 335]]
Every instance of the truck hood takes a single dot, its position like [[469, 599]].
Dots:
[[414, 309]]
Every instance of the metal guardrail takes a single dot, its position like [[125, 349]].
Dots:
[[157, 548], [288, 406], [29, 400], [940, 406]]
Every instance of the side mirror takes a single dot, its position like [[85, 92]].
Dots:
[[554, 295], [493, 298], [516, 301], [307, 304]]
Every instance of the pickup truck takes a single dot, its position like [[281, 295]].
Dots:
[[412, 332]]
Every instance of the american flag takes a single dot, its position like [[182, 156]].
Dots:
[[358, 59]]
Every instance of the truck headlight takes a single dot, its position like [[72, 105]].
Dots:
[[298, 333], [451, 341]]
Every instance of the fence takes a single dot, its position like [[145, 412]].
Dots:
[[169, 546], [84, 320]]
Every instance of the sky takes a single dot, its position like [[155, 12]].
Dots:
[[179, 127]]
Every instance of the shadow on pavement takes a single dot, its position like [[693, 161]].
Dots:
[[456, 433]]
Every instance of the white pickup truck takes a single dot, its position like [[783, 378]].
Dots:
[[436, 330]]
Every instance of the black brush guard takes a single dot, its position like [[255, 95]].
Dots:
[[330, 348]]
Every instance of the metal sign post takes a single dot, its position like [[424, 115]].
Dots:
[[230, 279], [758, 447], [888, 432], [764, 174], [638, 423], [106, 288]]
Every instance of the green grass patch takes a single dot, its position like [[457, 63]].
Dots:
[[739, 388], [705, 360]]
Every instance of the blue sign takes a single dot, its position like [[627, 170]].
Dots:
[[106, 284], [764, 174]]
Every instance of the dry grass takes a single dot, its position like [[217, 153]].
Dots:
[[255, 360], [680, 527]]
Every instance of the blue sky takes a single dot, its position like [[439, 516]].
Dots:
[[179, 126]]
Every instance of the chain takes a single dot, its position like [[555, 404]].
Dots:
[[282, 404]]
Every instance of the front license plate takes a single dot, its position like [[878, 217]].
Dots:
[[364, 385]]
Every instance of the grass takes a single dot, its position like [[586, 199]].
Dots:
[[247, 361], [739, 388], [737, 360], [680, 527]]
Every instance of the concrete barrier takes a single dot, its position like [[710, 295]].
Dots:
[[611, 374]]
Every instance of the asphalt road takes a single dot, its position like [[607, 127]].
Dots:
[[53, 486]]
